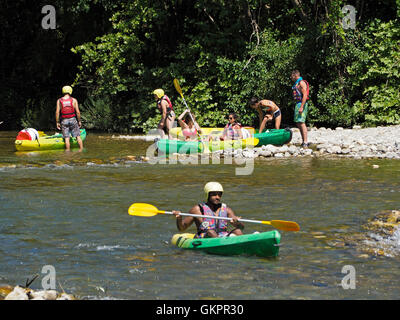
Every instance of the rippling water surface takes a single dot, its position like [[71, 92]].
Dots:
[[69, 210]]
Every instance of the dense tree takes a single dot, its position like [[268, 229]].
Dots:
[[223, 52]]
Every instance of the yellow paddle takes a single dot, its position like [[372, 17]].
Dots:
[[178, 88], [148, 210]]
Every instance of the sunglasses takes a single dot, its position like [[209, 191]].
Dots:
[[231, 118], [214, 193]]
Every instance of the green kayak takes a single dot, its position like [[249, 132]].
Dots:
[[265, 244], [273, 136]]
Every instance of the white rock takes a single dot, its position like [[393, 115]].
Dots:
[[17, 294], [283, 149], [292, 149], [45, 294], [278, 155], [65, 296], [266, 153], [308, 152], [336, 149]]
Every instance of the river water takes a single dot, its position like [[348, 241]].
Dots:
[[70, 211]]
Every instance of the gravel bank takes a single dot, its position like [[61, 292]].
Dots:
[[379, 142]]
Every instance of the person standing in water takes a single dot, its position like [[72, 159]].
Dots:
[[68, 110], [164, 105]]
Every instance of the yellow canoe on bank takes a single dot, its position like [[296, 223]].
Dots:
[[177, 132], [45, 142]]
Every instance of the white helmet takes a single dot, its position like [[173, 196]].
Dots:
[[213, 186]]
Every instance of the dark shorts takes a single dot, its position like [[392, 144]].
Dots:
[[276, 114], [70, 127]]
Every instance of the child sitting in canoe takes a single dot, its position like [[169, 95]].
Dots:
[[190, 128]]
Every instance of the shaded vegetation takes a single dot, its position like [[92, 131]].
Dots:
[[223, 53]]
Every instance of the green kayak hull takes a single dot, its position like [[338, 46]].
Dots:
[[265, 244], [273, 136], [177, 146]]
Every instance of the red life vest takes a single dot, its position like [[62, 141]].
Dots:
[[297, 95], [67, 108], [165, 97]]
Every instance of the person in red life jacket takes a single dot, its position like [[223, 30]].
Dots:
[[267, 111], [233, 130], [208, 227], [301, 92], [190, 129], [167, 113], [68, 110]]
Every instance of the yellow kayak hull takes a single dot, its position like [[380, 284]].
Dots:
[[46, 142]]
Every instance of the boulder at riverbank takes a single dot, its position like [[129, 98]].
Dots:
[[379, 142], [20, 293]]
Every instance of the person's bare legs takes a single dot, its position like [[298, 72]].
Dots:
[[80, 143], [67, 144], [278, 122], [303, 131], [169, 123], [263, 124]]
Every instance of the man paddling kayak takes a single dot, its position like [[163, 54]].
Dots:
[[208, 227]]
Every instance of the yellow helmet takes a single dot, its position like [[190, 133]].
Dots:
[[213, 186], [159, 93], [67, 89]]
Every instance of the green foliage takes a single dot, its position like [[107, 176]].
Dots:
[[38, 113], [378, 74], [223, 53], [96, 114]]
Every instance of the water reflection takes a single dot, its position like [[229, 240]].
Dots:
[[70, 211]]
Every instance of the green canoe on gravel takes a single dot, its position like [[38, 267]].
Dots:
[[273, 136], [264, 244]]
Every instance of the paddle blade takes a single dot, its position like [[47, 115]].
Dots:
[[143, 210], [250, 142], [178, 87], [285, 225]]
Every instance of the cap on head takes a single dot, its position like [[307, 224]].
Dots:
[[67, 89], [159, 93], [213, 186]]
